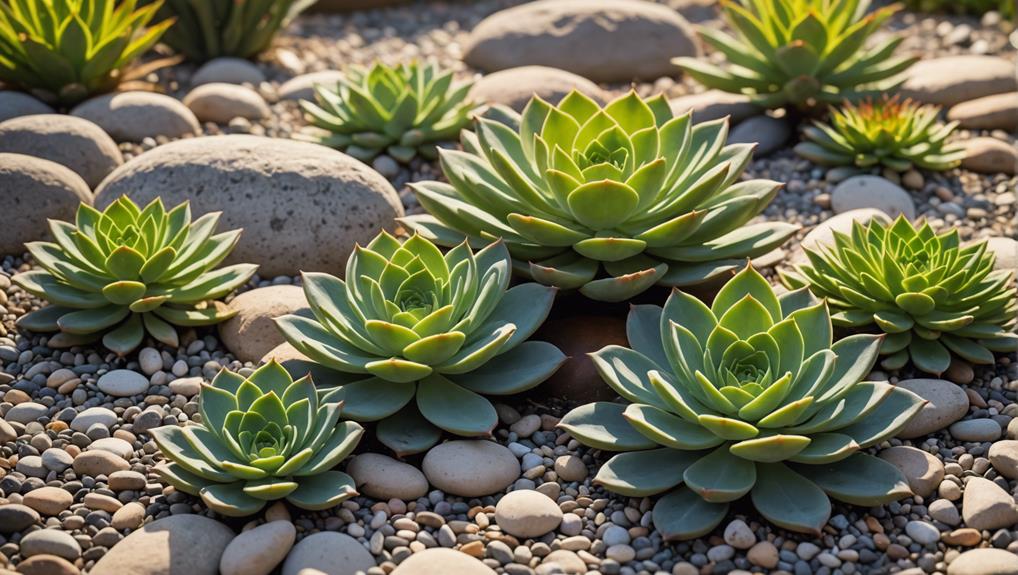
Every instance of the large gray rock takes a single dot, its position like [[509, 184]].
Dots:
[[953, 79], [984, 562], [516, 86], [604, 40], [34, 190], [330, 553], [303, 207], [72, 142], [15, 104], [134, 116], [470, 468], [438, 561], [175, 545], [714, 104]]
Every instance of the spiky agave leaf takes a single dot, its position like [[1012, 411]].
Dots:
[[423, 337], [889, 132], [126, 271], [402, 111], [749, 396], [609, 200], [929, 294], [800, 52], [260, 439], [64, 51]]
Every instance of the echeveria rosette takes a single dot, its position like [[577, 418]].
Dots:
[[748, 396], [800, 53], [608, 201], [889, 132], [422, 337], [127, 271], [402, 111], [263, 438], [929, 294], [64, 51]]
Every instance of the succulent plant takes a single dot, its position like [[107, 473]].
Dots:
[[66, 50], [209, 29], [402, 111], [800, 52], [421, 338], [126, 271], [608, 201], [930, 295], [889, 132], [747, 396], [261, 438]]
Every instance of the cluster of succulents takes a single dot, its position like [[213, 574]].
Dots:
[[930, 295], [609, 200], [262, 438], [125, 271], [800, 53], [747, 396], [64, 51], [418, 338], [890, 132], [401, 111], [212, 28]]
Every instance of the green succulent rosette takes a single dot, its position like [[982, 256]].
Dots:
[[262, 438], [417, 339], [402, 111], [933, 297], [746, 397], [896, 134], [608, 201], [127, 271], [800, 53], [64, 51]]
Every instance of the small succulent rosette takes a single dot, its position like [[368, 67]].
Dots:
[[800, 53], [262, 438], [127, 271], [749, 396], [609, 201], [417, 339], [402, 111], [933, 297]]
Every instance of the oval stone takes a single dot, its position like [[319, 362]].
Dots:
[[184, 544], [134, 116], [252, 333], [440, 561], [514, 87], [527, 514], [34, 191], [947, 403], [15, 104], [72, 142], [258, 551], [384, 478], [328, 552], [470, 468], [122, 383]]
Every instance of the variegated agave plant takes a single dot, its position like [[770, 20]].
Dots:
[[127, 271], [418, 338], [261, 438], [608, 201], [931, 296], [746, 397]]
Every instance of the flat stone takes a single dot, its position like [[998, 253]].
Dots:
[[769, 134], [228, 70], [438, 561], [56, 459], [947, 404], [922, 532], [966, 537], [953, 79], [36, 190], [527, 514], [328, 552], [175, 545], [384, 478], [130, 516], [31, 466], [47, 565], [1005, 251], [985, 506], [305, 206], [134, 116], [122, 383], [923, 471], [115, 445], [259, 550], [565, 560], [98, 501], [989, 156], [219, 102], [983, 429], [98, 462], [715, 104], [252, 333], [303, 87], [78, 144], [25, 413], [91, 416], [49, 500], [872, 192], [984, 562], [15, 517], [945, 512], [514, 87], [996, 112], [470, 468], [603, 40], [1004, 458], [570, 468], [16, 104], [50, 542], [186, 386]]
